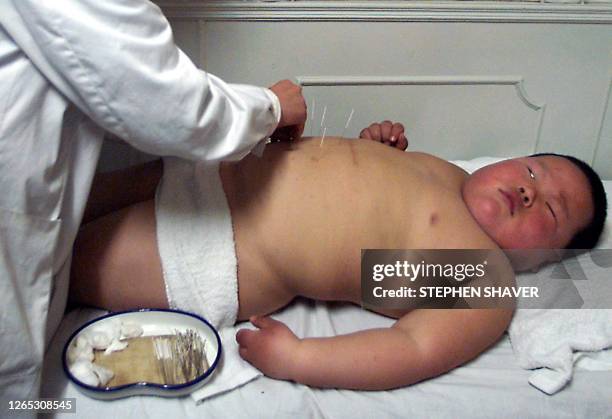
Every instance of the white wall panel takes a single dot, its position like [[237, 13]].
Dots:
[[467, 78], [565, 70], [439, 112]]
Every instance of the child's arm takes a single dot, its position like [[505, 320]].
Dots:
[[422, 344]]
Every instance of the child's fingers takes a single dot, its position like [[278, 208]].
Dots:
[[262, 322], [365, 133], [375, 132], [397, 129], [243, 337], [244, 353], [385, 130]]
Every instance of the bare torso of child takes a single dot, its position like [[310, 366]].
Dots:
[[303, 212]]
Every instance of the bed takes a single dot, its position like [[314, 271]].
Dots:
[[483, 88], [492, 385]]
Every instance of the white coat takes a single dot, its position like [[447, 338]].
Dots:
[[69, 71]]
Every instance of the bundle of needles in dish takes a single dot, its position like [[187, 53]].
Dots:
[[181, 357]]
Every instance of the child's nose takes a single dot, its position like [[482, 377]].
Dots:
[[527, 195]]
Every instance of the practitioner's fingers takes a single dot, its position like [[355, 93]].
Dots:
[[298, 131], [282, 134], [293, 104], [288, 133]]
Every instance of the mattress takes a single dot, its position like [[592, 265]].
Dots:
[[492, 385]]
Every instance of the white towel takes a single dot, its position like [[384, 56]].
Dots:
[[551, 340], [196, 241], [555, 341], [232, 371], [196, 245]]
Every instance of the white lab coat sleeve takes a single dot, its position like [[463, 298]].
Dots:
[[116, 60]]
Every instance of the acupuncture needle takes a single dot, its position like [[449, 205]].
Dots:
[[348, 121], [323, 117], [323, 138]]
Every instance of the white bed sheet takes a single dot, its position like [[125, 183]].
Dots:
[[492, 385]]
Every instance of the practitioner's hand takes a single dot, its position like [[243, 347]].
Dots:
[[293, 111], [272, 349], [386, 132]]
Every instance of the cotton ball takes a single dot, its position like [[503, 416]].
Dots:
[[102, 335], [130, 330], [116, 345], [112, 327], [80, 350], [99, 339], [82, 342], [83, 371], [104, 374]]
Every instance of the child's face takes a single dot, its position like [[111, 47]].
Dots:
[[530, 202]]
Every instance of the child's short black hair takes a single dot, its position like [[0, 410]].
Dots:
[[588, 237]]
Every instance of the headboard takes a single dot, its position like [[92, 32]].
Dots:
[[466, 78]]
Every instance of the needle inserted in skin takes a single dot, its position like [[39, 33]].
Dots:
[[323, 116], [323, 138], [348, 121]]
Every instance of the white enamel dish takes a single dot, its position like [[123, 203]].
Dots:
[[154, 322]]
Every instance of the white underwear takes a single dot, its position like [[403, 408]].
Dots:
[[196, 241]]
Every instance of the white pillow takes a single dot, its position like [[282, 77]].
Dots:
[[471, 166]]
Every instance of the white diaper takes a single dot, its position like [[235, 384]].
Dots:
[[196, 241]]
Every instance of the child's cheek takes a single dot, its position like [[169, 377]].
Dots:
[[538, 230]]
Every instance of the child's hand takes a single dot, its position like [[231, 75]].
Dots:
[[271, 349], [386, 132]]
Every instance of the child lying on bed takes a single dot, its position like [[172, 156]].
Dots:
[[300, 216]]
